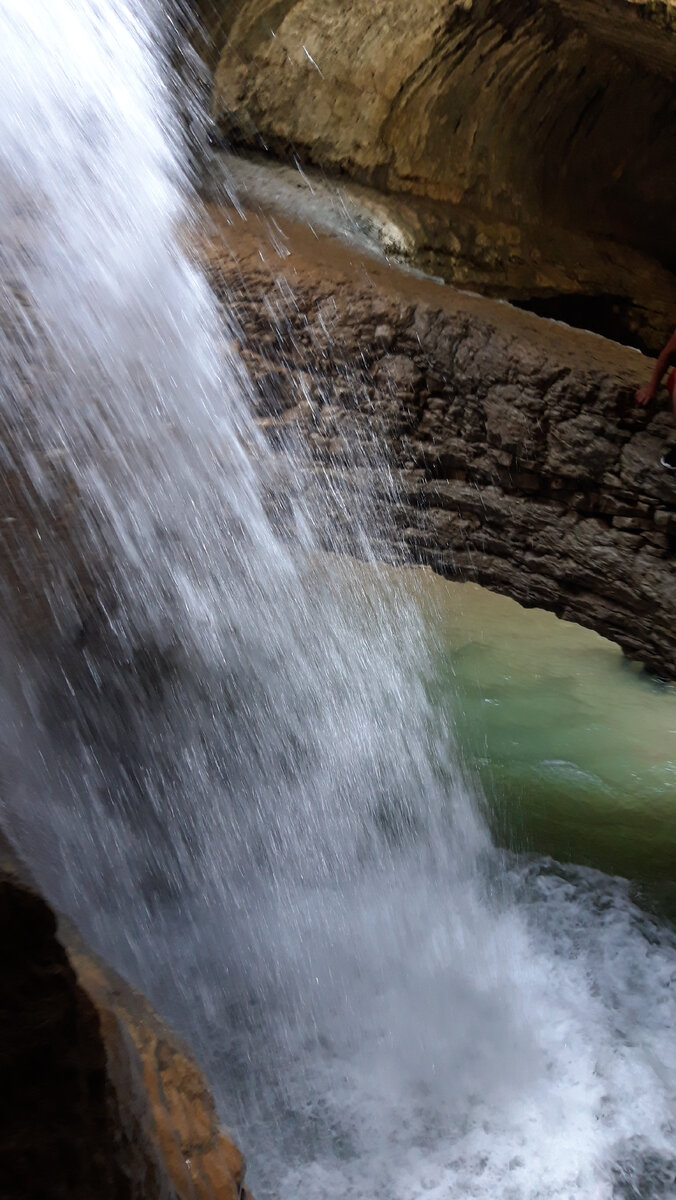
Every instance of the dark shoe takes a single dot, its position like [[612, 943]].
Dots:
[[669, 460]]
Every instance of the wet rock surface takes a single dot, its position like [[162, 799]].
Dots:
[[98, 1098], [525, 149], [520, 460]]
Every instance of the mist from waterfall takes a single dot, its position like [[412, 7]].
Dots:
[[220, 753]]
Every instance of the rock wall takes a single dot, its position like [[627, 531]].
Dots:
[[521, 461], [98, 1098], [534, 142]]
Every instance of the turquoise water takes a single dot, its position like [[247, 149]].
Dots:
[[575, 748]]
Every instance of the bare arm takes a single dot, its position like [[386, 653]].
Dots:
[[668, 356]]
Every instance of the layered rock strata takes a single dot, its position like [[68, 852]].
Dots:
[[530, 146], [99, 1099], [520, 458]]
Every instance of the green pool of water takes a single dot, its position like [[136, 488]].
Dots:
[[575, 748]]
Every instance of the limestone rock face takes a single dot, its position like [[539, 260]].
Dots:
[[98, 1098], [522, 462], [533, 141]]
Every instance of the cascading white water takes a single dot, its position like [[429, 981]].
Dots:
[[229, 771]]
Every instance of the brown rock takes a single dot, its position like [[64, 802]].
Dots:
[[524, 149], [532, 471], [99, 1099]]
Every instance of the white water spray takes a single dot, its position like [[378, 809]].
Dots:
[[221, 757]]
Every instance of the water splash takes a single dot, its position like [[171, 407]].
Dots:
[[220, 755], [213, 717]]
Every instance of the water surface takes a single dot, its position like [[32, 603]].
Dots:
[[574, 746]]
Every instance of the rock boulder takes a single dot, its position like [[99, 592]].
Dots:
[[99, 1099]]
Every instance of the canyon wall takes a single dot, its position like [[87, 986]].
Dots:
[[521, 461], [531, 146]]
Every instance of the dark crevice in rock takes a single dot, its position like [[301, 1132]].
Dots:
[[607, 315]]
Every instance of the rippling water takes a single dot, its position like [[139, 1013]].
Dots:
[[240, 771], [574, 746]]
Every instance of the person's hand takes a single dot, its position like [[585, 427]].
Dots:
[[644, 395]]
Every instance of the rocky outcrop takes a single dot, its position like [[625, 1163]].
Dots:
[[529, 146], [99, 1099], [521, 461]]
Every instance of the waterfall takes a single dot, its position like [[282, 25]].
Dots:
[[220, 755]]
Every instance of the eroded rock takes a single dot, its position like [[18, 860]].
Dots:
[[529, 146], [522, 461]]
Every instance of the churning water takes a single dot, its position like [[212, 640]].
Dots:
[[222, 758]]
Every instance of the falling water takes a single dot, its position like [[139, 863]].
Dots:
[[220, 754]]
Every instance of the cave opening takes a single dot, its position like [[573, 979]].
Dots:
[[606, 314]]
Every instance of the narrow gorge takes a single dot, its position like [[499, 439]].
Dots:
[[316, 848], [526, 148], [522, 151]]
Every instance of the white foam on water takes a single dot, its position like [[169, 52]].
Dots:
[[453, 1047]]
